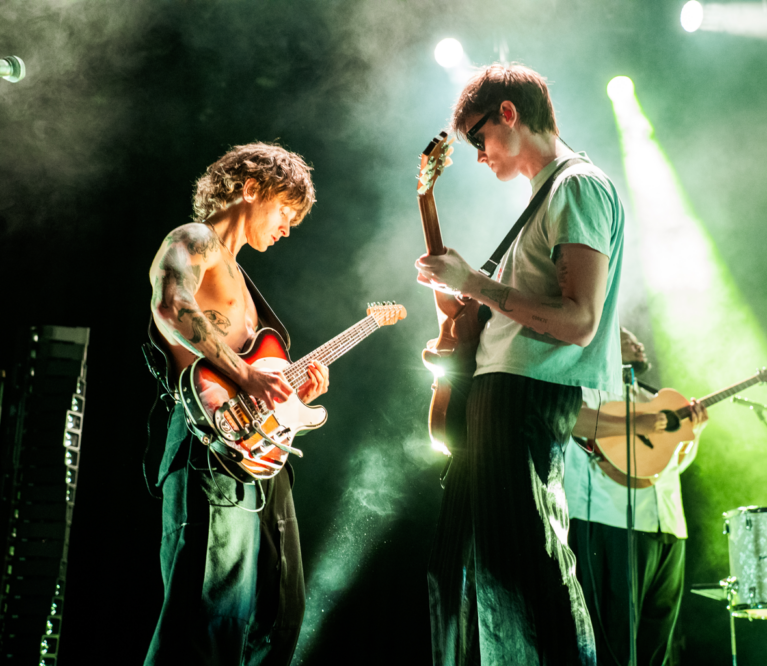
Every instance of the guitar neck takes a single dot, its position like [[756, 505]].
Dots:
[[334, 349], [712, 399], [430, 221]]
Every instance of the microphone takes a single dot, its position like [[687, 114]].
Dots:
[[750, 404], [12, 68]]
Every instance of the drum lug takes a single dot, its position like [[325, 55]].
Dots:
[[749, 523], [726, 529]]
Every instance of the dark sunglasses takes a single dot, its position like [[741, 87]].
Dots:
[[471, 135]]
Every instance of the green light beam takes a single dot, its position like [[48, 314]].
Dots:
[[706, 336]]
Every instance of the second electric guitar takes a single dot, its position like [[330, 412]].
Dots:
[[451, 356]]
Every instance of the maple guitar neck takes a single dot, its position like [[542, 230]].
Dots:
[[332, 350], [713, 398]]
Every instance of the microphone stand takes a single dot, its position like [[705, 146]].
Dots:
[[755, 407], [628, 384]]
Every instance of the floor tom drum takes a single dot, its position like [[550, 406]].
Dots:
[[746, 529]]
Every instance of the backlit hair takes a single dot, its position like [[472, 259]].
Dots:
[[277, 172], [493, 84]]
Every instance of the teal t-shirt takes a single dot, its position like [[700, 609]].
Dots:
[[582, 207]]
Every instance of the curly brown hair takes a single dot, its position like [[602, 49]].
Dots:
[[278, 173], [514, 82]]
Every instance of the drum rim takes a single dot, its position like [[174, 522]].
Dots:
[[745, 509], [741, 611]]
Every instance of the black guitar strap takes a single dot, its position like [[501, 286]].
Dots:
[[492, 263], [266, 316]]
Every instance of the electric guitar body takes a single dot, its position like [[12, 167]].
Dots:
[[242, 429], [201, 380]]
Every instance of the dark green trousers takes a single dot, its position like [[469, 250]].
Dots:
[[234, 584], [602, 570]]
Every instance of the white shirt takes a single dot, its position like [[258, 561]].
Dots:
[[658, 508]]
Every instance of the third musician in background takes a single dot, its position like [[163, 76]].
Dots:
[[501, 581], [596, 496]]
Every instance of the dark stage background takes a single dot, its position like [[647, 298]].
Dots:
[[126, 103]]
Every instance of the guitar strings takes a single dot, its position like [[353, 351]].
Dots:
[[296, 373], [331, 349]]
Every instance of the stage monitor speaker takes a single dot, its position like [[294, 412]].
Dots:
[[42, 407]]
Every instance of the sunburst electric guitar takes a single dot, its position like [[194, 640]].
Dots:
[[451, 356], [241, 428], [654, 452]]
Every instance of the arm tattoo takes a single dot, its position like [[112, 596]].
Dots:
[[499, 295], [185, 343], [196, 240], [179, 276], [205, 326], [184, 311], [561, 271], [553, 306], [541, 319], [199, 330]]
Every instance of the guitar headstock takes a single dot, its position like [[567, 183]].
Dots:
[[434, 160], [387, 313], [762, 375]]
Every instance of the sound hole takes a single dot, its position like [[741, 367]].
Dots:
[[673, 423]]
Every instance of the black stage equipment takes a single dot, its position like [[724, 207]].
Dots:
[[42, 406]]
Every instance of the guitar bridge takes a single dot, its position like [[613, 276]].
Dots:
[[236, 419]]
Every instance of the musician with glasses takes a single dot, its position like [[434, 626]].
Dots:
[[596, 498], [501, 582], [230, 553]]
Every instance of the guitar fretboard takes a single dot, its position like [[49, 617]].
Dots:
[[296, 373], [712, 399]]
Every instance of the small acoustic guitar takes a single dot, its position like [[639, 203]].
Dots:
[[654, 452], [451, 356]]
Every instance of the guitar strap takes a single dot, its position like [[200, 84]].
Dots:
[[266, 316], [492, 263]]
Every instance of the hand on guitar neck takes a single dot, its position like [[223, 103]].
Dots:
[[446, 273]]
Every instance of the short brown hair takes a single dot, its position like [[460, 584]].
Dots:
[[522, 86], [279, 173]]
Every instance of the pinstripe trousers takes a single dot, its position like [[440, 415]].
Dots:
[[502, 586]]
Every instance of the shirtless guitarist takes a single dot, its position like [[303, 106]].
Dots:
[[204, 305]]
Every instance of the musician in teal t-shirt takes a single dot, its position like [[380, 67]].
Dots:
[[500, 556]]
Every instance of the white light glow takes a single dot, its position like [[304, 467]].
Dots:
[[620, 88], [747, 19], [692, 16], [449, 53], [440, 446]]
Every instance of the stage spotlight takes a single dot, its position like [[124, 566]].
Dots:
[[620, 88], [449, 53], [692, 16]]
